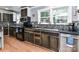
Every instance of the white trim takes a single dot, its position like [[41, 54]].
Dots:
[[24, 7], [35, 7]]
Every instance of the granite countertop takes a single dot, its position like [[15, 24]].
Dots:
[[59, 31], [54, 31], [69, 32]]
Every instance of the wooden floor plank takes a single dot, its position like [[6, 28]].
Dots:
[[11, 44]]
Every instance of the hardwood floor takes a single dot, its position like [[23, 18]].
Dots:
[[11, 44]]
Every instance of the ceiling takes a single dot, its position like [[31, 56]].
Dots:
[[12, 8]]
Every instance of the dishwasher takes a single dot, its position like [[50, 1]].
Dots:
[[68, 43]]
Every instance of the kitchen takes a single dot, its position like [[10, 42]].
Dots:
[[39, 28]]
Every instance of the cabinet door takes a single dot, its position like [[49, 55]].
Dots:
[[24, 12], [45, 40], [12, 31], [54, 43], [19, 36], [26, 36], [5, 30], [37, 38], [5, 17], [11, 17], [31, 37]]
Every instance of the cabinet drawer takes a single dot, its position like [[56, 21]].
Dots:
[[31, 37]]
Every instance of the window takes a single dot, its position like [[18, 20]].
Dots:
[[60, 15], [44, 17]]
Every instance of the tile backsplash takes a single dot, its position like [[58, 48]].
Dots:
[[52, 26]]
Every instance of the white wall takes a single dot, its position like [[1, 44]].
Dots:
[[18, 17], [34, 10]]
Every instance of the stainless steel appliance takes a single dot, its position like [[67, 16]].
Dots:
[[68, 43], [25, 22], [76, 26]]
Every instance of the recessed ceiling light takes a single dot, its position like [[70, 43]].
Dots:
[[7, 8]]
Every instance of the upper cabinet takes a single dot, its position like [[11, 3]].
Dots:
[[58, 15], [24, 12], [7, 17], [11, 17]]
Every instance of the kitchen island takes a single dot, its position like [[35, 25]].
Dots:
[[51, 38]]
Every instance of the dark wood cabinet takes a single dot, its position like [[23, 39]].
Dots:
[[54, 42], [19, 36], [26, 36], [45, 40], [29, 36], [23, 12], [5, 30], [37, 37], [12, 31], [11, 17], [7, 17]]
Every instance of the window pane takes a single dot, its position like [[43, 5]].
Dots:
[[60, 15], [44, 14], [45, 20]]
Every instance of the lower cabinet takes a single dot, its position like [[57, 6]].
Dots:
[[54, 43], [48, 40], [29, 36], [26, 36], [12, 31], [19, 36], [37, 38], [5, 30], [45, 40]]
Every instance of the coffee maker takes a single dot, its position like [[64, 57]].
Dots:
[[74, 26], [71, 26]]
